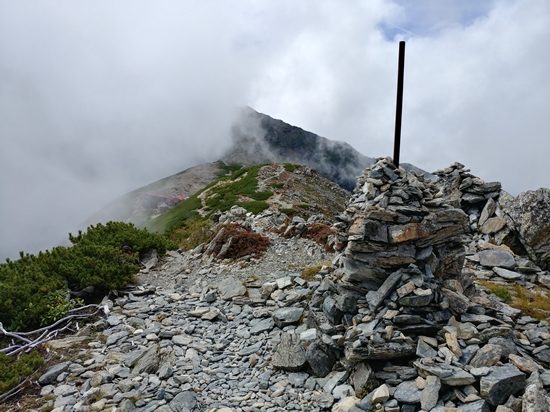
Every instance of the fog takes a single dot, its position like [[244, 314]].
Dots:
[[99, 98]]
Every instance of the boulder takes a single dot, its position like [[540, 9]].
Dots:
[[500, 383], [290, 355], [529, 216], [430, 394], [407, 392], [535, 398], [230, 288]]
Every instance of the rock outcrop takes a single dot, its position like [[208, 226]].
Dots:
[[529, 216]]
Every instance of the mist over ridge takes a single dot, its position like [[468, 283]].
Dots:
[[98, 99]]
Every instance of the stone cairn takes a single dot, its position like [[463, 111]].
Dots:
[[401, 321]]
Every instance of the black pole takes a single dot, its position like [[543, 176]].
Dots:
[[399, 106]]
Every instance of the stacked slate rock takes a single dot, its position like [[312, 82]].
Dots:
[[509, 237], [400, 322], [396, 219]]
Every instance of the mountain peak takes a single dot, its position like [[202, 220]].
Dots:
[[259, 138]]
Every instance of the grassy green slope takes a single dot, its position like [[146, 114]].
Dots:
[[222, 194]]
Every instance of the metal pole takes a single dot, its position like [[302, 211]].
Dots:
[[399, 106]]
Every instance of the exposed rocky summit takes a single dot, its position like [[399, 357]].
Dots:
[[392, 321]]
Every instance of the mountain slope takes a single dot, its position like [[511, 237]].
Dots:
[[135, 206], [291, 189], [257, 139]]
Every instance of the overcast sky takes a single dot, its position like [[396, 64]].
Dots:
[[98, 98]]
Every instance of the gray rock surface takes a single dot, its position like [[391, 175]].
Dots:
[[529, 215]]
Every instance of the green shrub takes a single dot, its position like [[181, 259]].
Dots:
[[221, 195], [32, 289], [11, 370], [503, 293], [57, 306], [191, 234], [116, 234], [254, 206], [226, 169], [225, 193], [290, 167], [24, 284], [289, 211]]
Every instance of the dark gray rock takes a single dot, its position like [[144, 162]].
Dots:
[[507, 345], [449, 375], [52, 373], [346, 302], [320, 359], [287, 316], [488, 355], [500, 383], [407, 392], [497, 257], [543, 355], [458, 303], [416, 301], [424, 350], [184, 402], [375, 299], [261, 325], [362, 375], [379, 350], [477, 406], [148, 363], [332, 311]]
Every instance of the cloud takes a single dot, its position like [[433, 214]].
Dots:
[[476, 89], [99, 98]]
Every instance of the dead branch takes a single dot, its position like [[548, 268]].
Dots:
[[37, 337]]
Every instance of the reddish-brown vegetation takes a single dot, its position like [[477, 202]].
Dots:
[[243, 242]]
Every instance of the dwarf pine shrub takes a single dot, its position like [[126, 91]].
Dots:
[[33, 288], [12, 370]]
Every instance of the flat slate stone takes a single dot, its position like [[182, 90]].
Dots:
[[497, 257], [230, 288], [507, 274], [477, 406], [52, 373], [263, 325], [184, 401], [407, 392], [287, 316]]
